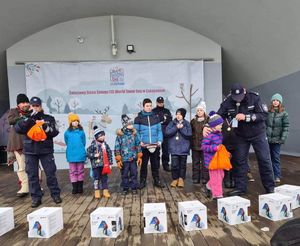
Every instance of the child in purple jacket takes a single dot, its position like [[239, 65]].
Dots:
[[210, 145]]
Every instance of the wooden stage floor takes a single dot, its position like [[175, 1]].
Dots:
[[77, 208]]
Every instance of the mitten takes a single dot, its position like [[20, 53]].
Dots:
[[119, 161]]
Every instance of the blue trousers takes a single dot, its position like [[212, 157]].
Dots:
[[275, 157], [262, 152], [32, 170], [129, 175], [100, 180], [178, 166]]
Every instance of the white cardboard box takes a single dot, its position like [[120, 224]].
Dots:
[[155, 218], [192, 215], [234, 210], [45, 222], [6, 220], [107, 222], [275, 206], [292, 191]]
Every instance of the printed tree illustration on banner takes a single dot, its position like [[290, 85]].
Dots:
[[67, 109], [188, 98], [74, 104], [125, 109], [58, 103], [168, 104], [49, 101]]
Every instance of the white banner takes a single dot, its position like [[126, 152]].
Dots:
[[100, 92]]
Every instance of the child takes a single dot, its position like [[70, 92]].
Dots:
[[149, 131], [277, 132], [128, 153], [100, 156], [210, 145], [179, 132], [197, 124], [76, 155]]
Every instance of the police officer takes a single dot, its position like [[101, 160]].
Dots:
[[246, 116], [36, 150], [165, 117]]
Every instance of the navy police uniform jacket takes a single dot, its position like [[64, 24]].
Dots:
[[256, 114], [164, 116], [41, 147]]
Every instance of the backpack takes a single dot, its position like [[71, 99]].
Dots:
[[36, 132]]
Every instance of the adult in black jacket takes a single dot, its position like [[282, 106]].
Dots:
[[246, 115], [36, 151], [165, 118]]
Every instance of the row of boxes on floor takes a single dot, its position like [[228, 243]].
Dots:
[[192, 215]]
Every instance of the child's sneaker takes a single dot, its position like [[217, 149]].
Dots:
[[106, 193], [134, 192], [97, 194]]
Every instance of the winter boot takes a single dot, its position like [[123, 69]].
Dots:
[[80, 187], [180, 183], [75, 188], [106, 193], [97, 194], [174, 183]]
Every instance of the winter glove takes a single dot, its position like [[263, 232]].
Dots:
[[119, 161], [139, 159], [36, 115]]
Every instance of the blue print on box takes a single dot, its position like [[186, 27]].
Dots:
[[197, 219], [38, 227], [266, 208], [155, 221], [104, 227]]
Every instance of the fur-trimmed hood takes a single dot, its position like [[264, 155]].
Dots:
[[120, 131]]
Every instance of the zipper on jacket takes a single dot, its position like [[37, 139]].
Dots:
[[149, 129]]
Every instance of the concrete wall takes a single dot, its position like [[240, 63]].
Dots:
[[153, 40]]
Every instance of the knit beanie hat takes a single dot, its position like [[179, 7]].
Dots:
[[277, 97], [98, 132], [73, 117], [22, 98], [126, 120], [202, 106], [214, 119], [182, 111]]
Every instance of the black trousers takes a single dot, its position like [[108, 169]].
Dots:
[[199, 171], [154, 157], [178, 164], [32, 170], [165, 157], [262, 152]]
